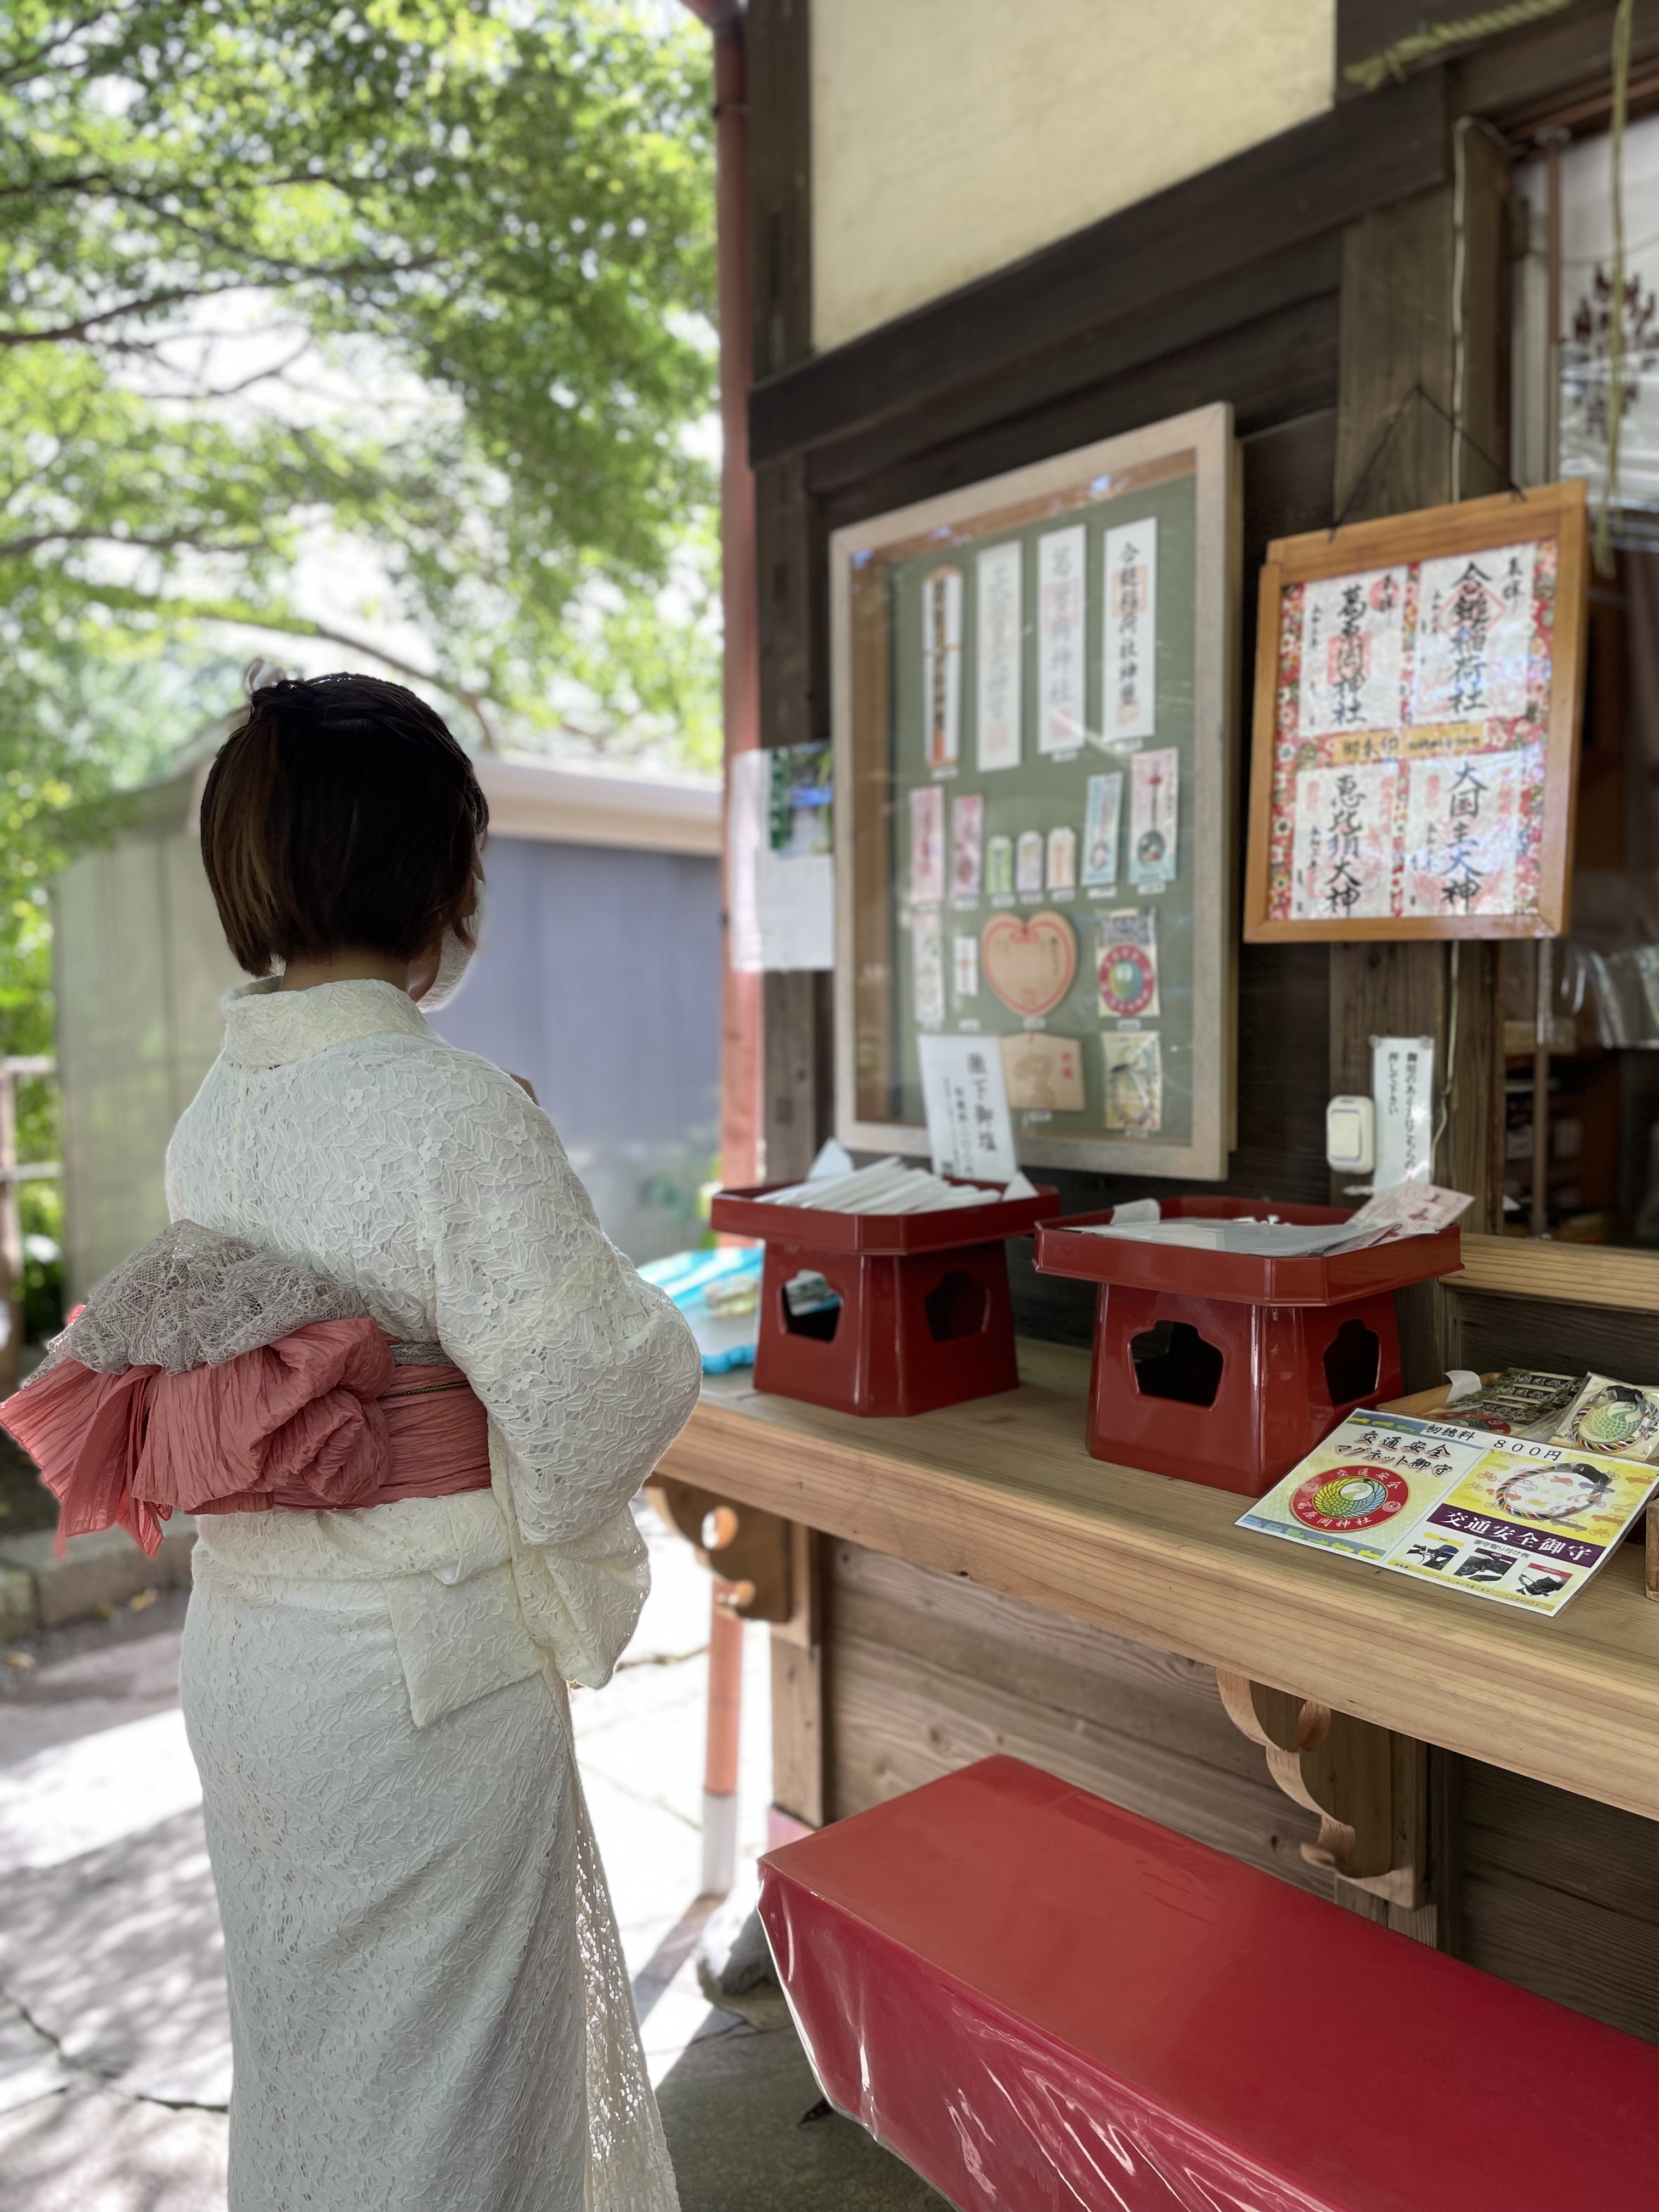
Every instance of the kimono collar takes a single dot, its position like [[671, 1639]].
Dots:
[[266, 1027]]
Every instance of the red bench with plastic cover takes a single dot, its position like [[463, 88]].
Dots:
[[1041, 2000]]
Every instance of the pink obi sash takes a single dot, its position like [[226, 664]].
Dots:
[[320, 1420]]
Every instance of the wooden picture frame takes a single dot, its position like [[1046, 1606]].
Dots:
[[904, 726], [1390, 843]]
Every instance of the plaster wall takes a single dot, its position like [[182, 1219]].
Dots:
[[951, 136]]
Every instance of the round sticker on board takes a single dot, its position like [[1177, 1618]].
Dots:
[[1349, 1498], [1128, 981]]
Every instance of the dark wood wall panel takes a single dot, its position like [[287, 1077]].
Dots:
[[1561, 1895], [1489, 1330], [928, 1673], [1273, 370]]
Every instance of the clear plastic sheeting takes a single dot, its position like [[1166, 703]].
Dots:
[[1041, 2000]]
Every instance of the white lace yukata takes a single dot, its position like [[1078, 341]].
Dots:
[[429, 2007]]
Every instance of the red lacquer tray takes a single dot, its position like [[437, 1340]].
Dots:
[[743, 1214], [1063, 1248]]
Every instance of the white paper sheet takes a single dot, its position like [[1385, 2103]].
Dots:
[[1402, 1084], [1128, 699], [1062, 558], [968, 1126], [998, 590]]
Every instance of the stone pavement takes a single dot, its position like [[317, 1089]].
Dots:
[[114, 2043]]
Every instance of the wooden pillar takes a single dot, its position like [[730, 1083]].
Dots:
[[794, 709], [1425, 302]]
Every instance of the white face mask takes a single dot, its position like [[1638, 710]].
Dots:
[[453, 959]]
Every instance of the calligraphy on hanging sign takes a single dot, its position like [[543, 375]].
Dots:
[[1352, 645], [1062, 561], [941, 666], [1344, 842], [1129, 633], [969, 1127], [999, 685], [1462, 829], [1474, 640]]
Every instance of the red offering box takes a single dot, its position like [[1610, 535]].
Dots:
[[924, 1317], [1226, 1369]]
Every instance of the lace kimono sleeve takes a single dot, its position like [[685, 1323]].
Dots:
[[588, 1372]]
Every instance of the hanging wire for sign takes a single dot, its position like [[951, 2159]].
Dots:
[[1388, 428]]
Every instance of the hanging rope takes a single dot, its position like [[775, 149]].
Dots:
[[1603, 549], [1394, 61]]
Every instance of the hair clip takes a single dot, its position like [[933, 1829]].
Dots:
[[260, 674]]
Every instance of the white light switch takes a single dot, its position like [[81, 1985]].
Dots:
[[1351, 1135]]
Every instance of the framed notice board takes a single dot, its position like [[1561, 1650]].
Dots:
[[1033, 685], [1417, 702]]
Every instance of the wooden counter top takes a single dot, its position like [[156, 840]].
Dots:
[[1003, 1490]]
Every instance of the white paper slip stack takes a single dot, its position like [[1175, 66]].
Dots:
[[889, 1187]]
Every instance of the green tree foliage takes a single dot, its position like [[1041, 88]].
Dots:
[[499, 214], [220, 222]]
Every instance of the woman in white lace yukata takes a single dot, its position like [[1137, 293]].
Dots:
[[429, 2009]]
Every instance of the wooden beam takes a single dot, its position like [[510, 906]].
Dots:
[[1289, 190], [777, 36]]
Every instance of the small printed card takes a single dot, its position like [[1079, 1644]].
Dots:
[[1522, 1521]]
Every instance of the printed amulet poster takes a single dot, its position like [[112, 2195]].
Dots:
[[1417, 702]]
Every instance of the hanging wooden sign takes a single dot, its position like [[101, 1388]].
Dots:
[[1417, 702]]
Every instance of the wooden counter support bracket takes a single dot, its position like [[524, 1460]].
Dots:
[[750, 1550], [1361, 1780]]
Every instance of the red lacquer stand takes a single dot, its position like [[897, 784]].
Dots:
[[1227, 1370], [924, 1318]]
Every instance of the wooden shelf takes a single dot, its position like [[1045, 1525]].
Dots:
[[1003, 1491]]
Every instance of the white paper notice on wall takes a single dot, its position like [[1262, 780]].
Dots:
[[781, 900], [1402, 1085], [969, 1127]]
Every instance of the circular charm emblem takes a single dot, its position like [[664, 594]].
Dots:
[[1615, 1420], [1349, 1498], [1128, 980]]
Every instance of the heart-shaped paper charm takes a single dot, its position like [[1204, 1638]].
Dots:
[[1029, 962]]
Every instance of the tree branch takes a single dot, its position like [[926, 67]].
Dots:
[[299, 626]]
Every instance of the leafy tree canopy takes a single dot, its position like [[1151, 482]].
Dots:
[[493, 219]]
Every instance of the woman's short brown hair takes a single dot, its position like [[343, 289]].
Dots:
[[341, 812]]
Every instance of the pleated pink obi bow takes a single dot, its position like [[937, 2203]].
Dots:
[[319, 1420]]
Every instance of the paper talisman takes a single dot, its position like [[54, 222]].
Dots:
[[1135, 1081], [1127, 963], [1154, 813]]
